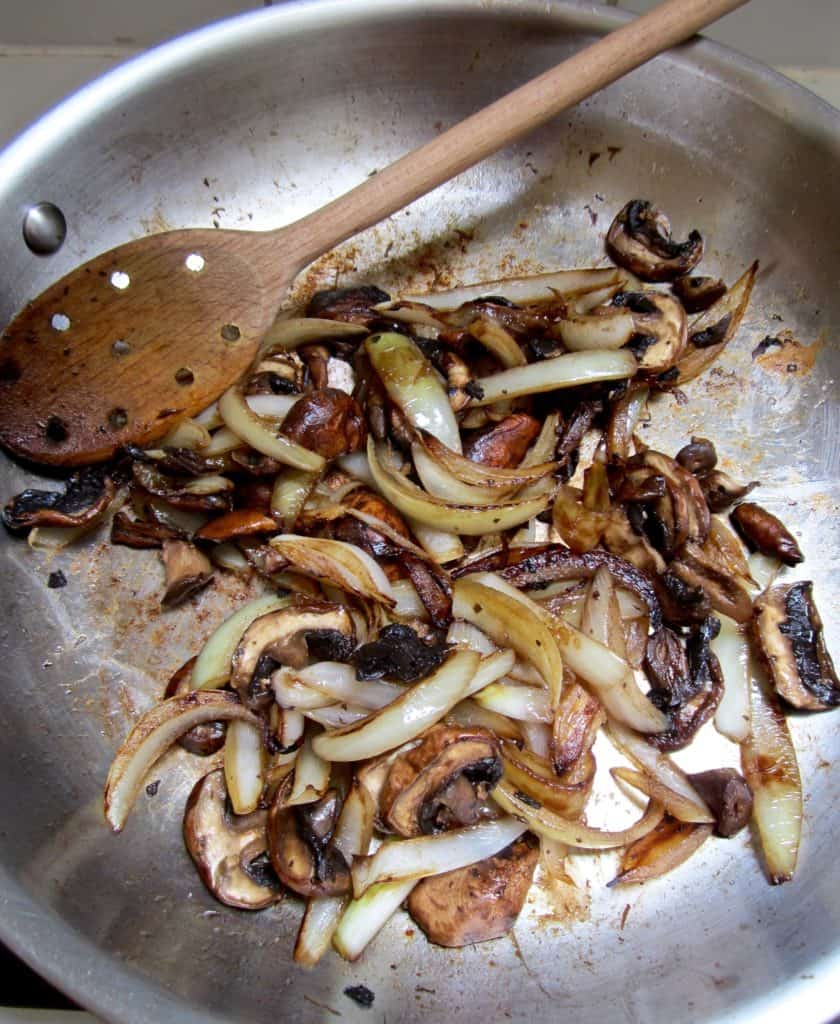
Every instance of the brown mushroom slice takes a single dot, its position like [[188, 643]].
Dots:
[[695, 567], [697, 293], [505, 443], [479, 902], [187, 571], [229, 851], [242, 522], [178, 493], [661, 329], [698, 457], [85, 497], [299, 843], [640, 240], [721, 490], [137, 533], [328, 421], [443, 782], [763, 532], [354, 305], [284, 637], [204, 739], [670, 844], [788, 631], [728, 797]]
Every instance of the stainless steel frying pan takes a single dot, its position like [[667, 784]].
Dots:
[[252, 123]]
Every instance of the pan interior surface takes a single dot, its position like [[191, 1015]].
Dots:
[[253, 124]]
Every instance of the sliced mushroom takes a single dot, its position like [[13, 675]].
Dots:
[[571, 434], [478, 902], [175, 461], [85, 497], [789, 633], [241, 522], [279, 374], [443, 782], [640, 240], [661, 329], [299, 843], [329, 422], [177, 492], [288, 637], [698, 293], [578, 718], [229, 851], [204, 739], [722, 491], [683, 603], [255, 464], [187, 571], [763, 532], [504, 444], [352, 305], [681, 514], [698, 568], [137, 533], [399, 653], [699, 457], [727, 796]]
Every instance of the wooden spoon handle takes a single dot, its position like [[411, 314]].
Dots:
[[507, 119]]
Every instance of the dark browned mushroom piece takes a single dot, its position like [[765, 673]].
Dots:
[[288, 637], [640, 240], [352, 305], [698, 457], [504, 443], [722, 491], [151, 480], [177, 462], [696, 567], [698, 293], [478, 902], [187, 570], [399, 653], [138, 533], [241, 522], [229, 850], [85, 497], [443, 782], [329, 422], [299, 843], [727, 796], [204, 739], [763, 532], [789, 633], [661, 329]]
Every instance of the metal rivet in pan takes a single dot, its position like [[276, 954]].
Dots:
[[44, 228]]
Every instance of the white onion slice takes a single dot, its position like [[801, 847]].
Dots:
[[491, 668], [365, 917], [343, 565], [354, 828], [271, 407], [405, 859], [188, 433], [336, 716], [465, 634], [356, 464], [551, 825], [291, 333], [413, 384], [524, 703], [228, 556], [289, 493], [594, 333], [565, 371], [292, 695], [497, 340], [53, 538], [407, 601], [209, 418], [311, 778], [479, 475], [537, 288], [440, 483], [768, 759], [152, 735], [212, 666], [223, 441], [339, 682], [261, 434], [244, 765], [441, 545], [679, 797], [418, 708], [320, 920], [732, 718], [537, 738]]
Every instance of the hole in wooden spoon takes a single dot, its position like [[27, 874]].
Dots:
[[117, 418], [184, 376], [120, 280], [230, 332], [194, 262], [9, 371], [120, 347], [56, 429], [60, 322]]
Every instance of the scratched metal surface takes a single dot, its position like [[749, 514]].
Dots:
[[252, 125]]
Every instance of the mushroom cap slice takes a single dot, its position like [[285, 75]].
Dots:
[[299, 843], [640, 240], [283, 637], [204, 739], [442, 782], [479, 902], [661, 335], [229, 850], [187, 569]]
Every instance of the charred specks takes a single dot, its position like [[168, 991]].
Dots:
[[713, 335], [529, 800], [766, 343], [398, 652], [361, 995], [56, 580], [152, 788]]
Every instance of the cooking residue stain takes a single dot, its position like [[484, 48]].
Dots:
[[783, 354]]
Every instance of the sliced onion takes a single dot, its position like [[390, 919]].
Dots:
[[413, 384], [311, 778], [465, 634], [184, 519], [497, 340], [229, 557], [405, 859], [187, 434], [763, 569], [407, 601], [365, 917], [601, 617], [152, 735], [54, 538], [289, 494], [212, 666], [336, 716], [439, 482], [537, 738], [591, 333], [547, 823], [211, 483], [354, 829], [654, 789], [417, 709], [534, 777], [409, 499], [768, 759], [333, 561], [565, 371], [524, 703], [441, 545], [624, 418], [512, 623], [209, 418], [271, 407], [679, 797], [223, 441], [287, 334], [356, 464], [479, 475], [244, 765], [319, 924], [670, 844], [292, 695], [261, 435], [524, 290], [339, 682], [471, 714], [732, 717]]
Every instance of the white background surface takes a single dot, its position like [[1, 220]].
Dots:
[[48, 48]]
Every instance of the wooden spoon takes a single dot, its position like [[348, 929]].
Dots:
[[153, 331]]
